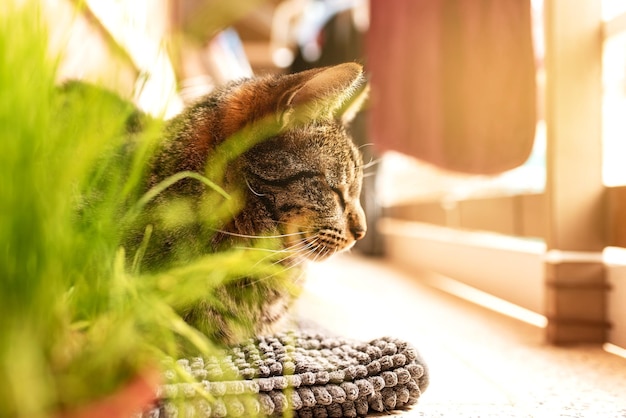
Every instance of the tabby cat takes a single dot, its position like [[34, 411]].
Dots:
[[298, 178]]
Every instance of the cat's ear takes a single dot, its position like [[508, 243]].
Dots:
[[353, 104], [329, 93]]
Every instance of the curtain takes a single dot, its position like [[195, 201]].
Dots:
[[453, 82]]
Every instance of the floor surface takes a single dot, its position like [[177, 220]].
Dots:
[[482, 364]]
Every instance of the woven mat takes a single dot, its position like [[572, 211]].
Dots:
[[301, 374]]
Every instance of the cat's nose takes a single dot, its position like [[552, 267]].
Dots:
[[356, 222], [358, 232]]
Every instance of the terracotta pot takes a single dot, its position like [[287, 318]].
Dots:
[[136, 396]]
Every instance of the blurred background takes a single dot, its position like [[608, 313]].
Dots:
[[496, 128]]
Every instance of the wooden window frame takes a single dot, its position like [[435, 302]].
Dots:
[[575, 219]]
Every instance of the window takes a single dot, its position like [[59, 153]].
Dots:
[[614, 94]]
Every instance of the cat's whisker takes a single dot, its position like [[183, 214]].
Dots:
[[302, 257], [300, 261], [289, 259], [266, 250], [289, 248], [316, 256], [370, 174], [254, 191], [299, 247], [300, 253], [371, 163], [304, 248], [319, 253], [297, 243], [302, 228], [300, 244], [235, 234]]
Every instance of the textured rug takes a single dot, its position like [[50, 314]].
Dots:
[[297, 374]]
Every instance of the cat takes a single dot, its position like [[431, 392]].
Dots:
[[297, 176]]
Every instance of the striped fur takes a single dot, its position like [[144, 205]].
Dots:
[[298, 178]]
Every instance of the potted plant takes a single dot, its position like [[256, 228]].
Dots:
[[82, 328]]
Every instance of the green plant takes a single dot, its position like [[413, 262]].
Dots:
[[77, 319]]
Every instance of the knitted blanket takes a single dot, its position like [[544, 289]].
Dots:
[[297, 374]]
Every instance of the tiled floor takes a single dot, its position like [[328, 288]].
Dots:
[[482, 364]]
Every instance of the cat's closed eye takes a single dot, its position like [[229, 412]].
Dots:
[[340, 195]]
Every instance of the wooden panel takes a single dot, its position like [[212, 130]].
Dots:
[[573, 125], [531, 215], [575, 292], [520, 215], [495, 214], [430, 212], [616, 306], [576, 302], [616, 216], [507, 267]]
